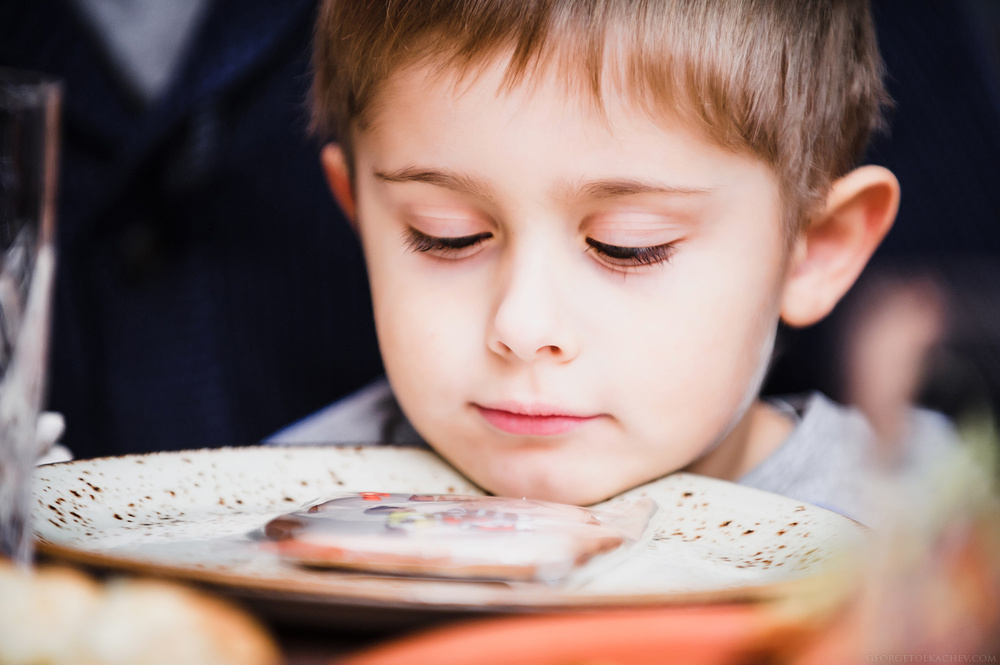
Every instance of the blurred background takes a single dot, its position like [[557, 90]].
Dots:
[[934, 284], [209, 292]]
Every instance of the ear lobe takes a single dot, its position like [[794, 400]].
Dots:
[[339, 179], [831, 252]]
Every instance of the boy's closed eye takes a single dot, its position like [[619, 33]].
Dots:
[[614, 256], [447, 247], [629, 237]]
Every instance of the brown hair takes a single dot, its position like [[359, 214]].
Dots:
[[796, 83]]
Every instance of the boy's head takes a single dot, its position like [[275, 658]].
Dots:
[[583, 220], [798, 84]]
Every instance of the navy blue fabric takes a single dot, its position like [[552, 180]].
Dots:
[[209, 291], [944, 140]]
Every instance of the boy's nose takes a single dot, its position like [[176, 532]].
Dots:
[[531, 321]]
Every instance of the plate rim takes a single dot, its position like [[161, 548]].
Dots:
[[349, 594]]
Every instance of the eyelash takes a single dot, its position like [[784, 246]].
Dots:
[[614, 255], [632, 257], [445, 247]]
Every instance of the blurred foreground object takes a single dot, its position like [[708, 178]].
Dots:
[[29, 141], [905, 339], [678, 635], [889, 341], [59, 616], [933, 580]]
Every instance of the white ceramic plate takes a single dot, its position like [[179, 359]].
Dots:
[[193, 516]]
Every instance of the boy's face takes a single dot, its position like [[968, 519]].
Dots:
[[568, 305]]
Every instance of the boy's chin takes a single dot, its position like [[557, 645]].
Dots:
[[548, 485], [552, 472]]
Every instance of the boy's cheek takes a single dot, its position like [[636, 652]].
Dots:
[[421, 330]]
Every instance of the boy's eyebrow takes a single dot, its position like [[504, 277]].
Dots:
[[595, 189], [616, 188], [447, 179]]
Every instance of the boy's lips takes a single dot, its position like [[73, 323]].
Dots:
[[532, 420]]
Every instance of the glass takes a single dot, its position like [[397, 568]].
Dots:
[[29, 126]]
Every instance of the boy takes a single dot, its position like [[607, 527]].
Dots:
[[583, 222]]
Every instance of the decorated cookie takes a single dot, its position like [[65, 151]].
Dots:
[[444, 535]]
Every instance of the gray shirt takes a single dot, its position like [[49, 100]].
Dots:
[[826, 460], [144, 39]]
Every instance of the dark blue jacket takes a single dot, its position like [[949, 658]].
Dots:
[[209, 291]]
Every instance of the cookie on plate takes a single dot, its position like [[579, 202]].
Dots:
[[444, 535]]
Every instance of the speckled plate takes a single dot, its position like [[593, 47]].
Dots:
[[194, 516]]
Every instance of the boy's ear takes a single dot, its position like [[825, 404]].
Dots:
[[339, 179], [831, 252]]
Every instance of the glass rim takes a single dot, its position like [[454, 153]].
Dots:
[[25, 88]]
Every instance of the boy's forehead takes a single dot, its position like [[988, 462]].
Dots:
[[446, 127], [562, 86], [591, 63]]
